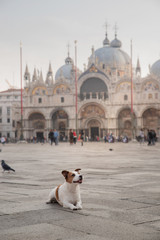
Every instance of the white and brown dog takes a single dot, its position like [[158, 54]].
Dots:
[[68, 194]]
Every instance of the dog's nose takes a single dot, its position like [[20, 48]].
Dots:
[[80, 177]]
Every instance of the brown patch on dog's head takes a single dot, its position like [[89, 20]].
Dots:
[[68, 176]]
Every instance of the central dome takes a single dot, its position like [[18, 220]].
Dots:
[[111, 56]]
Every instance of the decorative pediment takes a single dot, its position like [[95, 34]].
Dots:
[[92, 69]]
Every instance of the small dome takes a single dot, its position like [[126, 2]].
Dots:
[[68, 60], [155, 69], [65, 71], [116, 43], [106, 41]]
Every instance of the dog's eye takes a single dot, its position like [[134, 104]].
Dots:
[[73, 175]]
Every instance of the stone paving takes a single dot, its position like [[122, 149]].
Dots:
[[120, 192]]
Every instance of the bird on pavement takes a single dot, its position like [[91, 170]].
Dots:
[[6, 167], [110, 149]]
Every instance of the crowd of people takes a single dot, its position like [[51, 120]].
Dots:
[[111, 138], [151, 137], [53, 137], [73, 137]]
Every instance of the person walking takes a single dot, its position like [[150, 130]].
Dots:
[[55, 135], [71, 136], [50, 136], [74, 137], [82, 137], [141, 134], [153, 139], [3, 140], [149, 137]]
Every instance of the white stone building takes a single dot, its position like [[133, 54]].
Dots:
[[104, 97], [10, 101]]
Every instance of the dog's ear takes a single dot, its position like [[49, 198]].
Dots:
[[65, 173], [77, 170]]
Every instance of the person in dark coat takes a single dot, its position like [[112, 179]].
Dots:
[[153, 139], [71, 136], [149, 137], [50, 136], [82, 137]]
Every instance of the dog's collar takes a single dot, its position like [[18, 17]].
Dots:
[[57, 196]]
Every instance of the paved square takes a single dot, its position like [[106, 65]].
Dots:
[[120, 192]]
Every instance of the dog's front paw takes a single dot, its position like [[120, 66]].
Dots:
[[74, 208], [79, 206]]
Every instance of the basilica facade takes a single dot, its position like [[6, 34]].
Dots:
[[103, 97]]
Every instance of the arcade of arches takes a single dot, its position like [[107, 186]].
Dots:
[[93, 121]]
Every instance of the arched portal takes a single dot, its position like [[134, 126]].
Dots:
[[92, 121], [60, 122], [94, 127], [37, 125], [127, 123], [151, 120]]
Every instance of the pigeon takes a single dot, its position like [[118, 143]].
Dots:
[[110, 149], [6, 167]]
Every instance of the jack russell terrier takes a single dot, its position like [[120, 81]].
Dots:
[[68, 194]]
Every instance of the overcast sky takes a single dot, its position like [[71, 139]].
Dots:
[[46, 26]]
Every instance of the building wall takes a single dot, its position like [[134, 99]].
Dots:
[[10, 106]]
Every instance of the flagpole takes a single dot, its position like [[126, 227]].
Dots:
[[131, 82], [76, 103], [132, 114], [21, 136]]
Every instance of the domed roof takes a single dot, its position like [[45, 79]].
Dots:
[[106, 41], [68, 60], [116, 43], [111, 56], [65, 71], [155, 69]]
